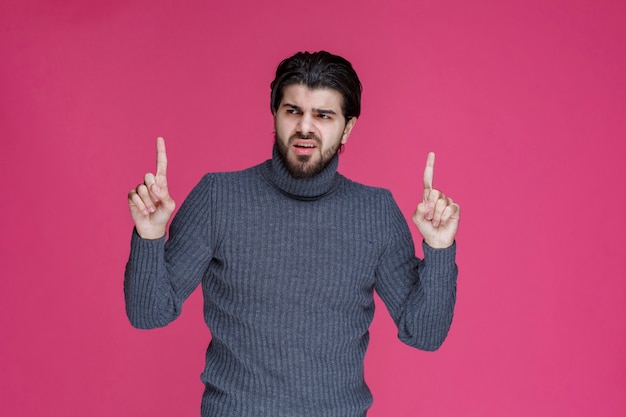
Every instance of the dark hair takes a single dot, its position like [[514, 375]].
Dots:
[[319, 70]]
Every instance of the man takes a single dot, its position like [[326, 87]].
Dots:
[[289, 253]]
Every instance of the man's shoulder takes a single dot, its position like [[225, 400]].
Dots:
[[377, 198], [364, 189], [225, 182], [232, 176]]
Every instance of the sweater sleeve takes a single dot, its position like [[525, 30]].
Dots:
[[419, 294], [161, 275]]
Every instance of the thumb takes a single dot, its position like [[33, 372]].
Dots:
[[163, 195], [420, 213]]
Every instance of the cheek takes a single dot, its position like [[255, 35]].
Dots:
[[282, 126], [336, 135]]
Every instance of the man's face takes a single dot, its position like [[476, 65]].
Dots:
[[310, 128]]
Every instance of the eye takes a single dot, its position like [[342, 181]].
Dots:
[[323, 116], [292, 111]]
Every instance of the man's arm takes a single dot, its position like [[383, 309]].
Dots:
[[420, 294], [159, 276]]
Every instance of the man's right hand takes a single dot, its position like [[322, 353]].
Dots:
[[150, 203]]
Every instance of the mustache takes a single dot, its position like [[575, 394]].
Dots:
[[309, 136]]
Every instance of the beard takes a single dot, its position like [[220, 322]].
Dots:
[[305, 166]]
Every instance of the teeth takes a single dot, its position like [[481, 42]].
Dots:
[[305, 145]]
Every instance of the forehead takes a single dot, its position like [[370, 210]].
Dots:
[[318, 98]]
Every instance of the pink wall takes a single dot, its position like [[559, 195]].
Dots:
[[524, 104]]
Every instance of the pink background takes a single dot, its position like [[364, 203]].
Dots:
[[523, 101]]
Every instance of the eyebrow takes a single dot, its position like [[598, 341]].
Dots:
[[320, 111]]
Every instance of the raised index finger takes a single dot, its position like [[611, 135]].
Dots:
[[161, 157], [429, 171]]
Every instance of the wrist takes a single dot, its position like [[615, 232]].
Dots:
[[438, 245], [150, 234]]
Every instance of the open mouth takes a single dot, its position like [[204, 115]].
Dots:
[[304, 147]]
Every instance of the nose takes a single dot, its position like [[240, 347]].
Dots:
[[305, 124]]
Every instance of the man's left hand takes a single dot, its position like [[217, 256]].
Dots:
[[437, 216]]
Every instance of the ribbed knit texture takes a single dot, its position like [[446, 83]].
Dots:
[[288, 269]]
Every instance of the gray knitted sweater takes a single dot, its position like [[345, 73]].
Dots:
[[288, 270]]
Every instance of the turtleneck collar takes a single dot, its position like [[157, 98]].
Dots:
[[311, 188]]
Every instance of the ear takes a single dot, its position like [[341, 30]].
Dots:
[[347, 130]]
